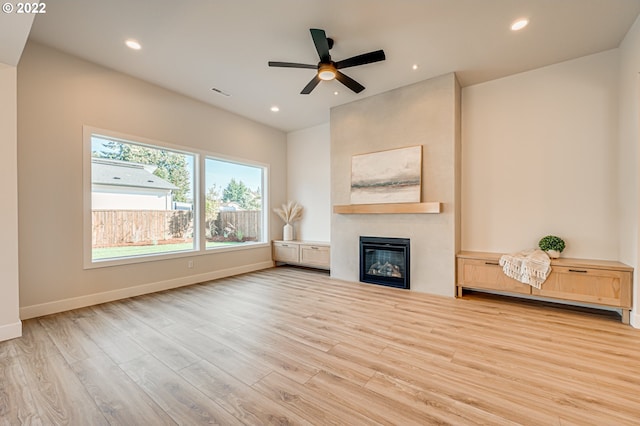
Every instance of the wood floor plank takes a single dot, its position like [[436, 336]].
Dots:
[[110, 337], [154, 342], [318, 408], [245, 368], [119, 398], [243, 341], [57, 392], [74, 345], [16, 401], [440, 408], [182, 401], [241, 400], [293, 346]]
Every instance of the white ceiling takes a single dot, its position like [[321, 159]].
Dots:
[[191, 46]]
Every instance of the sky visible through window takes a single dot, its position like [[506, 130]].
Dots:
[[221, 173]]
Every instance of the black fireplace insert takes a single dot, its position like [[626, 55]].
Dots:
[[385, 261]]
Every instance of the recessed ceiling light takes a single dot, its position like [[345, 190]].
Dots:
[[275, 109], [133, 44], [414, 67], [336, 93], [519, 24]]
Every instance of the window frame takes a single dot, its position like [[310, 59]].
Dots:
[[200, 156]]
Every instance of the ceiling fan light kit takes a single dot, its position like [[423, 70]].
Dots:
[[326, 68], [326, 72]]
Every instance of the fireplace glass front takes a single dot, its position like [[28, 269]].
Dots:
[[385, 261]]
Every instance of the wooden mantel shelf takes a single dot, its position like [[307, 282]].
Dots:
[[392, 208]]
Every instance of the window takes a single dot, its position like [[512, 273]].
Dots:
[[142, 201], [233, 203]]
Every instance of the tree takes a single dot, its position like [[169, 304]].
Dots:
[[172, 166], [212, 208], [237, 191]]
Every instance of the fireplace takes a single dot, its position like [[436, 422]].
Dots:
[[385, 261]]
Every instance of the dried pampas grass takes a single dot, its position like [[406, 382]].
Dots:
[[289, 212]]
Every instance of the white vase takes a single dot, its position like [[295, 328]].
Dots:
[[553, 254], [287, 232]]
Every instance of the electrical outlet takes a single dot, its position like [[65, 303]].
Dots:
[[190, 264]]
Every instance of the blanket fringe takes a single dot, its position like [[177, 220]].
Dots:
[[529, 266]]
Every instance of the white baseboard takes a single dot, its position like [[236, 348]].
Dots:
[[34, 311], [10, 331]]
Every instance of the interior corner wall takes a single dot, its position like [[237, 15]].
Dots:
[[540, 156], [629, 159], [10, 324], [427, 114], [309, 181], [57, 95]]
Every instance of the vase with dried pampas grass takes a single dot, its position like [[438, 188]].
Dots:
[[289, 212]]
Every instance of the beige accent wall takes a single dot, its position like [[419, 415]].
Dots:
[[10, 325], [540, 156], [628, 155], [57, 95], [427, 114], [309, 181]]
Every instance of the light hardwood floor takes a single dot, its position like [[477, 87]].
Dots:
[[292, 346]]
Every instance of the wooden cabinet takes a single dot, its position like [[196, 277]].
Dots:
[[316, 255], [304, 253], [286, 252], [595, 282]]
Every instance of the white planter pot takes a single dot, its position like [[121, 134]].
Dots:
[[553, 254], [287, 232]]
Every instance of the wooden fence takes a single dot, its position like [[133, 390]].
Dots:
[[126, 227], [248, 222]]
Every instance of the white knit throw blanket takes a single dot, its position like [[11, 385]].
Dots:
[[529, 266]]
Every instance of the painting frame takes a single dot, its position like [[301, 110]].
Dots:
[[389, 176]]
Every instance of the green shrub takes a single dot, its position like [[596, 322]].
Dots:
[[551, 242]]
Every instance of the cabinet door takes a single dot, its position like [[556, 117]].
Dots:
[[487, 274], [599, 286], [285, 252], [315, 255]]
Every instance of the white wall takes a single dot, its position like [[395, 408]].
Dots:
[[629, 135], [309, 180], [57, 95], [539, 156], [10, 325]]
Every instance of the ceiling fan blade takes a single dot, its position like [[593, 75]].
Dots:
[[365, 58], [311, 85], [349, 82], [321, 43], [292, 65]]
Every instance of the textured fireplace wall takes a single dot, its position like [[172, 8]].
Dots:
[[428, 114]]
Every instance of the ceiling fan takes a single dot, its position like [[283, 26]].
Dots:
[[326, 68]]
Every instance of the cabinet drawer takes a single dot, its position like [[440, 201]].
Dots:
[[285, 252], [487, 274], [314, 255], [599, 286]]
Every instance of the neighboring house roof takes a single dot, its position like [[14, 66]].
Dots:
[[230, 206], [123, 173]]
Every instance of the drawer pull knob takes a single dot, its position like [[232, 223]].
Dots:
[[582, 271], [314, 248], [492, 263], [285, 245]]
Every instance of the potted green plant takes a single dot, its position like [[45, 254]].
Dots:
[[552, 245]]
